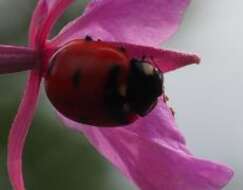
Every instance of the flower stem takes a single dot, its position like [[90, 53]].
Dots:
[[16, 59]]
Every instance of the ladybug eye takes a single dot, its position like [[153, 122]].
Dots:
[[145, 85]]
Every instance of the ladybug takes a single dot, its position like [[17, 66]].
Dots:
[[96, 83]]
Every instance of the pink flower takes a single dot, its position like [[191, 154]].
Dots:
[[151, 151]]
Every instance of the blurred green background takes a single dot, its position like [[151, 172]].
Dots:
[[207, 99]]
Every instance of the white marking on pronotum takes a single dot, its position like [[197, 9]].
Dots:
[[148, 69]]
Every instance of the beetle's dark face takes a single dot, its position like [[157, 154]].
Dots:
[[145, 85]]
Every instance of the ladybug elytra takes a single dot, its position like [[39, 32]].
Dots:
[[96, 83]]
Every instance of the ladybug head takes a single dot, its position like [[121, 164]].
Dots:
[[144, 86]]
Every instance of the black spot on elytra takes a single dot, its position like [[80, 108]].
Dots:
[[76, 79], [122, 49]]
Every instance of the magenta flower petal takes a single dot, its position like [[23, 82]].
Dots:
[[19, 130], [152, 153], [14, 59], [164, 59], [140, 22], [43, 19]]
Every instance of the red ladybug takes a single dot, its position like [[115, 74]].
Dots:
[[95, 83]]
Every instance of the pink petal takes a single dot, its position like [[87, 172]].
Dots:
[[165, 60], [15, 59], [144, 22], [20, 129], [43, 19], [152, 153]]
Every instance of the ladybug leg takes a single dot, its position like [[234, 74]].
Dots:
[[88, 38]]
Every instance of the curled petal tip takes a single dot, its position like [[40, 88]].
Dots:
[[227, 175], [196, 59]]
